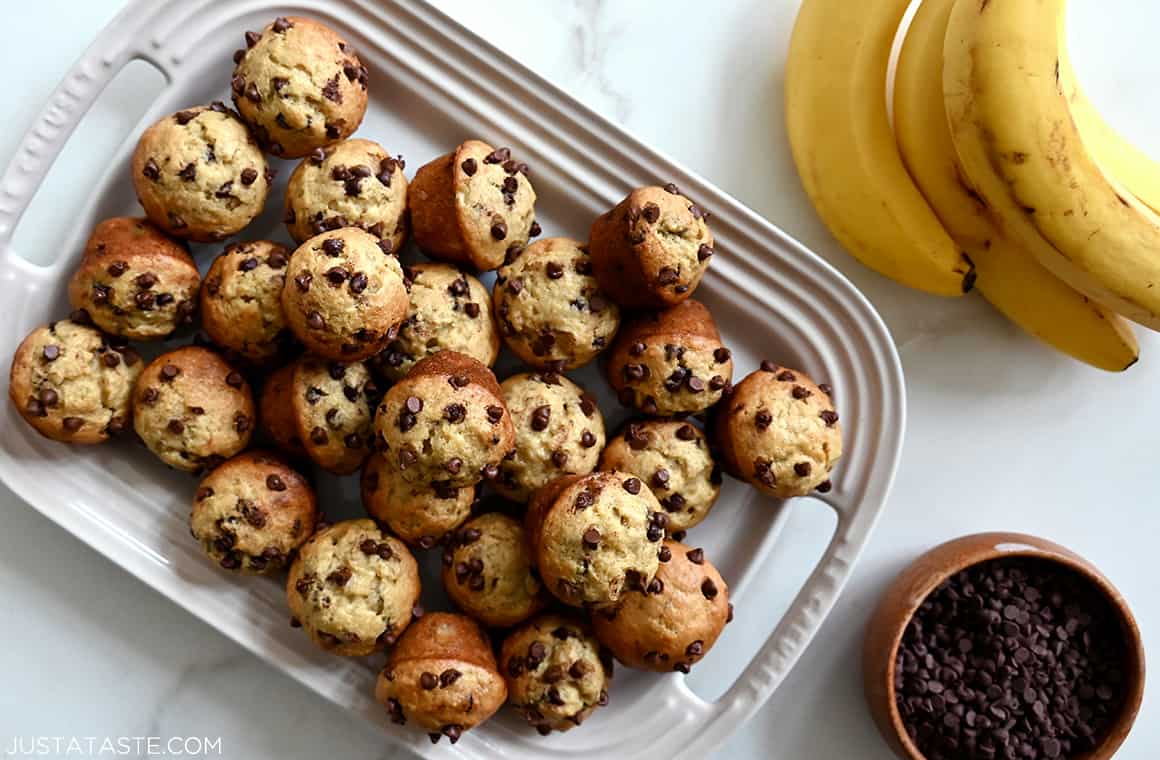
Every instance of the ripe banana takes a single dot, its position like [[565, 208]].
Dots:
[[1132, 167], [1016, 139], [1008, 275], [845, 152]]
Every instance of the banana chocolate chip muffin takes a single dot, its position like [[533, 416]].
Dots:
[[674, 622], [343, 298], [72, 384], [442, 676], [473, 205], [450, 311], [353, 588], [200, 175], [299, 85], [673, 457], [252, 512], [445, 424], [134, 281], [550, 309], [559, 431], [595, 537], [778, 431], [241, 301], [323, 409], [556, 672], [652, 249], [192, 409], [670, 362], [420, 514], [488, 572], [354, 183]]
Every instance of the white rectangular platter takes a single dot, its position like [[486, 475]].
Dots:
[[433, 84]]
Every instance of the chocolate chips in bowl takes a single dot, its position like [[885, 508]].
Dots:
[[1003, 646]]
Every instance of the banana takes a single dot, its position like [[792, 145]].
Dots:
[[1138, 171], [1008, 275], [1016, 139], [845, 152]]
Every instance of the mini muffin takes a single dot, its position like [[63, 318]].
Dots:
[[673, 457], [559, 431], [594, 537], [673, 623], [200, 175], [450, 311], [299, 86], [670, 362], [241, 303], [192, 409], [353, 588], [420, 514], [473, 205], [343, 298], [556, 672], [322, 409], [652, 249], [778, 431], [488, 572], [354, 183], [72, 384], [442, 676], [550, 309], [445, 423], [252, 513], [134, 281]]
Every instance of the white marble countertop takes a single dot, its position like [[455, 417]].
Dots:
[[1003, 433]]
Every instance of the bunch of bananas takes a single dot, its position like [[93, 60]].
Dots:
[[998, 172]]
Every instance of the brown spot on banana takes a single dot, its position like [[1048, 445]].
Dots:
[[971, 275], [1018, 157], [983, 5]]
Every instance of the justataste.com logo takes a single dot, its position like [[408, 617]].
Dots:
[[113, 746]]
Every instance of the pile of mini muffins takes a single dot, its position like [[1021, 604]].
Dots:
[[596, 569]]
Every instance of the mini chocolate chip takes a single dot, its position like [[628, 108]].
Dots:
[[651, 212], [319, 436], [587, 439], [176, 426], [150, 170], [494, 414], [803, 469], [241, 422], [499, 230], [704, 252], [696, 556], [249, 176], [722, 355], [709, 588], [333, 246], [188, 173], [471, 309], [825, 487], [303, 280], [315, 321], [591, 538], [660, 478], [632, 485], [554, 270], [535, 230], [448, 677], [763, 419], [170, 371], [428, 681], [667, 276], [800, 393], [51, 353], [281, 24], [829, 416], [469, 166], [541, 416]]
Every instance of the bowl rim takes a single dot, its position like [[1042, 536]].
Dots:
[[928, 571]]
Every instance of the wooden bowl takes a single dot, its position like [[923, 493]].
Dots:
[[915, 583]]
